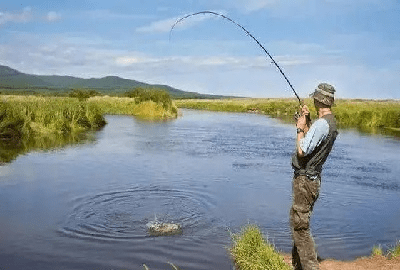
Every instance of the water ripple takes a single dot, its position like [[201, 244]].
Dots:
[[123, 215]]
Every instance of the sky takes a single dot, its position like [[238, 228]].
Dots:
[[353, 45]]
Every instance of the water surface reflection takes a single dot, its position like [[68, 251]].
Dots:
[[86, 206]]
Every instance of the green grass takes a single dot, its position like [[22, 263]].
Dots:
[[395, 252], [251, 251], [391, 253], [147, 109], [33, 116], [377, 251], [29, 122], [35, 122], [367, 116]]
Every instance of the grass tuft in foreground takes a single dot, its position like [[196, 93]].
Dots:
[[390, 254], [377, 251], [395, 252], [250, 251]]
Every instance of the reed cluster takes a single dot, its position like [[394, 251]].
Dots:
[[279, 108], [251, 251], [30, 116], [35, 122], [147, 109], [368, 116], [29, 122]]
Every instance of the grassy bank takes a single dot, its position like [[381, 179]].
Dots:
[[364, 115], [29, 116], [34, 122], [147, 109], [28, 122], [251, 251]]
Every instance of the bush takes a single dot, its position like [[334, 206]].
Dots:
[[250, 251], [156, 95], [83, 94]]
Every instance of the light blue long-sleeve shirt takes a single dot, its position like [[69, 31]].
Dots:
[[318, 131]]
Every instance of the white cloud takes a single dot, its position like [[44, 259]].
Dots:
[[219, 74], [163, 26], [27, 15], [304, 8], [254, 5], [158, 26], [105, 14], [22, 17], [53, 16]]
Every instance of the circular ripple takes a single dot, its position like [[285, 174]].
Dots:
[[124, 214]]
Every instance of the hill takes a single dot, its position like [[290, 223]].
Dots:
[[11, 78], [15, 81]]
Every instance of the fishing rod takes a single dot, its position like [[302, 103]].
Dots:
[[248, 33]]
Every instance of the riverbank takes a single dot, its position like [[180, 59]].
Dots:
[[251, 251], [367, 116], [149, 109], [368, 263], [34, 122]]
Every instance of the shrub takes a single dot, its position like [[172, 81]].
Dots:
[[156, 95], [83, 94], [250, 251]]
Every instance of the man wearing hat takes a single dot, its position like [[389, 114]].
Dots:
[[313, 146]]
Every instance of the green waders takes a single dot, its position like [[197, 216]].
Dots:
[[305, 193]]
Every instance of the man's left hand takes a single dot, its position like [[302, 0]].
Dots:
[[302, 120]]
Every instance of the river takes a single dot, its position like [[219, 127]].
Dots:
[[86, 206]]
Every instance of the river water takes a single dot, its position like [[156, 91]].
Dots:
[[86, 206]]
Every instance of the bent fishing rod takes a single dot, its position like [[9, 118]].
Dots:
[[247, 33]]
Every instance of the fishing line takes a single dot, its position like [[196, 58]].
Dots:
[[248, 34]]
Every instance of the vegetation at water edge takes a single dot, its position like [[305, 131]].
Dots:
[[370, 116], [391, 253], [35, 122], [142, 103], [251, 251]]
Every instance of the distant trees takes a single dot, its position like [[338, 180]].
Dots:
[[83, 94], [156, 95]]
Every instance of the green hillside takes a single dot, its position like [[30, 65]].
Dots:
[[11, 78], [14, 81]]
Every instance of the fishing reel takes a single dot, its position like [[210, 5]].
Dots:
[[296, 116]]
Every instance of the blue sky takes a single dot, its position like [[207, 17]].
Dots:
[[354, 45]]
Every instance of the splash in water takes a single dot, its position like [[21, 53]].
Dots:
[[157, 228]]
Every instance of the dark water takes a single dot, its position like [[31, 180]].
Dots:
[[87, 206]]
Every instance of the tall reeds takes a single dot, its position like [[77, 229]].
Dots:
[[364, 115], [40, 116], [147, 109], [368, 116], [28, 122]]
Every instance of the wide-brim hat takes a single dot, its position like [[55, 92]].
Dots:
[[325, 93]]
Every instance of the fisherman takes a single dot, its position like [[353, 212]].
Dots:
[[313, 146]]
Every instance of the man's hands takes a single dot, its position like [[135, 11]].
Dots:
[[302, 121]]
